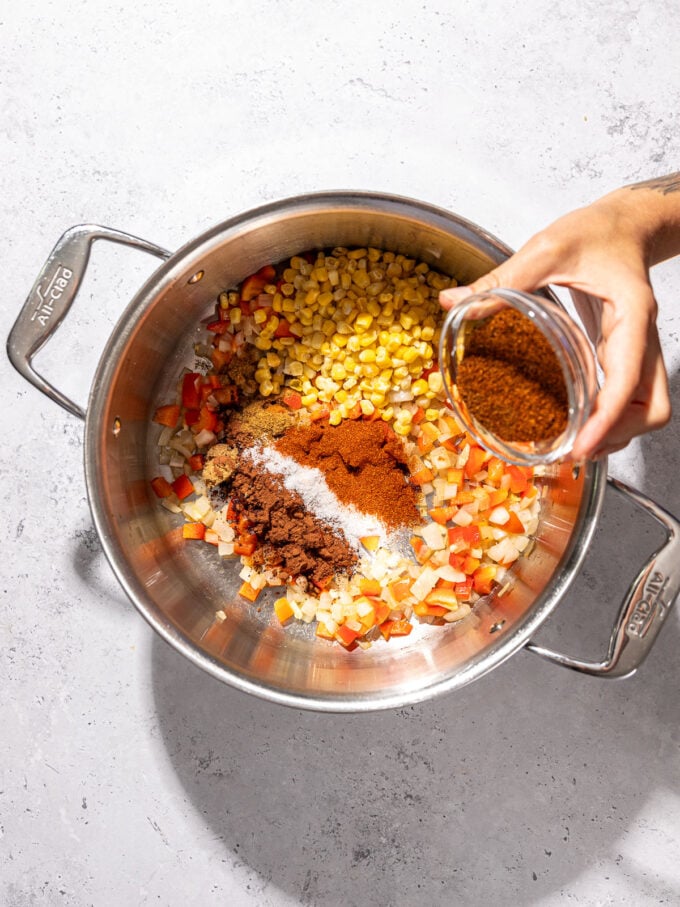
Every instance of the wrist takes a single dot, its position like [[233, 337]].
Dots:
[[650, 212]]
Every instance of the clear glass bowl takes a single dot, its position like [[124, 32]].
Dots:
[[572, 350]]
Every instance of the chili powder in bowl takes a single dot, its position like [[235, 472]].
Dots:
[[519, 373]]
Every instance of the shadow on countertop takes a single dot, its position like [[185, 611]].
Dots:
[[503, 792]]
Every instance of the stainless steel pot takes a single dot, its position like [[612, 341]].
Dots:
[[178, 588]]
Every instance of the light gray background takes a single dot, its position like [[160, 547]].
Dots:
[[128, 777]]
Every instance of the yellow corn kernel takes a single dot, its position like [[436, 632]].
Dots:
[[235, 316], [435, 382], [350, 364], [308, 399], [400, 373], [431, 415], [340, 340], [277, 303], [401, 428], [367, 408], [273, 360], [363, 322], [406, 321], [338, 372], [262, 374], [353, 343], [374, 254], [263, 343], [341, 396], [410, 355], [266, 388], [335, 418], [378, 400], [355, 254], [370, 370], [387, 414], [367, 355], [324, 299], [373, 308], [296, 329]]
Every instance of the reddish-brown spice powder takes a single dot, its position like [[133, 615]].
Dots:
[[364, 464], [511, 381]]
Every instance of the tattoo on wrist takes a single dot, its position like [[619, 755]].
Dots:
[[663, 184]]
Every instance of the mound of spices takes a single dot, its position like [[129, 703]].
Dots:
[[291, 537], [258, 420], [511, 381], [364, 464]]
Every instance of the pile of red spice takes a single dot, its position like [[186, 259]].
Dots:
[[364, 464]]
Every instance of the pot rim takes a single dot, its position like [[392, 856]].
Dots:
[[591, 501]]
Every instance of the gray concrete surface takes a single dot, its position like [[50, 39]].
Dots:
[[126, 776]]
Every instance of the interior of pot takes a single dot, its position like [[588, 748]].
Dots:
[[179, 586]]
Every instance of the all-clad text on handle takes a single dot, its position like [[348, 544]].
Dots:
[[645, 606], [52, 296]]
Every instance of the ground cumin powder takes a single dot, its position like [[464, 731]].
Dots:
[[511, 381], [364, 464]]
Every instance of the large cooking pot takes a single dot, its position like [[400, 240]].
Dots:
[[178, 588]]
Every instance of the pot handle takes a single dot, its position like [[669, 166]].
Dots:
[[645, 606], [52, 296]]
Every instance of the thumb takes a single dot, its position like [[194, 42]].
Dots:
[[522, 271]]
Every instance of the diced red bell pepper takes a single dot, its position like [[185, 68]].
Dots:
[[483, 579], [219, 327], [191, 417], [345, 636], [268, 272], [469, 535], [197, 462], [292, 399], [167, 415], [190, 393], [161, 487], [283, 329], [397, 627], [183, 487]]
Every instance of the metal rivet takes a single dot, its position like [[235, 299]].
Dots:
[[576, 471], [116, 427], [196, 277], [494, 628]]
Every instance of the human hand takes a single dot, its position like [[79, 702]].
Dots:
[[604, 251]]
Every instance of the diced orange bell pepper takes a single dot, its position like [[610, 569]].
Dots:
[[464, 590], [193, 531], [370, 586], [268, 272], [398, 627], [514, 524], [382, 612], [442, 515], [247, 591], [370, 542], [518, 480], [207, 420], [475, 461], [495, 469], [445, 597], [246, 544], [283, 610], [162, 488], [220, 358], [227, 395], [252, 286], [323, 632], [167, 415], [420, 549], [183, 487], [400, 589], [483, 579], [422, 476]]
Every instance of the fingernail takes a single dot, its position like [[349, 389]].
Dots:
[[453, 296]]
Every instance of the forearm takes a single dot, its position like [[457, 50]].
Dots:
[[651, 211]]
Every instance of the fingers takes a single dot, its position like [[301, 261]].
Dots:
[[525, 270], [634, 398]]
